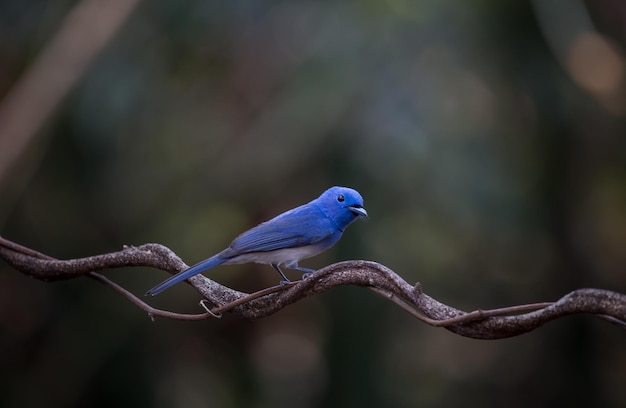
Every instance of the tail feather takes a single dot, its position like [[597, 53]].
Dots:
[[186, 274]]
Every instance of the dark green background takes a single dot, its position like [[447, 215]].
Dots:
[[487, 138]]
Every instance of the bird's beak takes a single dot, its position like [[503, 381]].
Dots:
[[358, 210]]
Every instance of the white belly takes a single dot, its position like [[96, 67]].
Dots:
[[278, 257]]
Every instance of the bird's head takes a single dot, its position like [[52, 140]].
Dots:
[[342, 204]]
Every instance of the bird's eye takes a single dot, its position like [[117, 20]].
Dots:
[[341, 198]]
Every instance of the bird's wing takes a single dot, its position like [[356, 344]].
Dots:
[[301, 226]]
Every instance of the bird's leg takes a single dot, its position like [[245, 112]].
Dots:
[[285, 280], [307, 271], [307, 274]]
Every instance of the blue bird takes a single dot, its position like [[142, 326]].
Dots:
[[297, 234]]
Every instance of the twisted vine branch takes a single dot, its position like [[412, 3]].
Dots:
[[479, 324]]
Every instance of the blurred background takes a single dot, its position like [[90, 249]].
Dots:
[[486, 137]]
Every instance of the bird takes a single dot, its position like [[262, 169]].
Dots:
[[299, 233]]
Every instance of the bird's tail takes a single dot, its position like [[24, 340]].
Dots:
[[186, 274]]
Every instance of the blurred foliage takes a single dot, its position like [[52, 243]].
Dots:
[[486, 137]]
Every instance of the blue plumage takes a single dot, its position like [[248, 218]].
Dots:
[[296, 234]]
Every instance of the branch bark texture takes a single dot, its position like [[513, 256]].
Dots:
[[478, 324]]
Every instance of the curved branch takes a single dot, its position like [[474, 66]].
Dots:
[[582, 301], [479, 324], [46, 268]]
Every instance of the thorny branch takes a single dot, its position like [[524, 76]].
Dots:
[[479, 324]]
